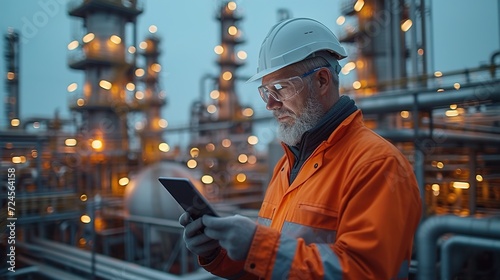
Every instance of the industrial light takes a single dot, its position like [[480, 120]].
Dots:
[[89, 37], [139, 72], [241, 177], [211, 109], [242, 55], [247, 112], [105, 84], [131, 49], [11, 76], [123, 181], [479, 178], [219, 49], [194, 152], [191, 163], [253, 140], [80, 102], [405, 114], [162, 123], [227, 75], [232, 30], [85, 219], [70, 142], [210, 147], [461, 185], [143, 45], [164, 147], [226, 143], [115, 39], [438, 74], [153, 28], [451, 113], [139, 95], [130, 86], [214, 94], [340, 20], [156, 67], [72, 87], [73, 45], [456, 86], [356, 85], [16, 159], [231, 6], [242, 158], [359, 5], [406, 25], [252, 159], [207, 179], [96, 144], [15, 122]]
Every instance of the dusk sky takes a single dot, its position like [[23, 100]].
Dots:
[[466, 33]]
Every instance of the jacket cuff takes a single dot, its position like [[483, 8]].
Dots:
[[210, 264], [261, 255]]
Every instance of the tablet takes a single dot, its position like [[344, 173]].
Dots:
[[188, 197]]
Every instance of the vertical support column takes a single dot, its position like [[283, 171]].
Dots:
[[128, 241], [419, 155], [413, 45], [146, 233], [472, 180]]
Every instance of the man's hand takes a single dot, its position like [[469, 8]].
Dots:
[[234, 233], [195, 239]]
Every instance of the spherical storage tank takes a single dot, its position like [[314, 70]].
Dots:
[[146, 197]]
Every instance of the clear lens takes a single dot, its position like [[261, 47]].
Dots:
[[281, 90]]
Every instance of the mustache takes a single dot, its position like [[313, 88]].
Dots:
[[283, 113]]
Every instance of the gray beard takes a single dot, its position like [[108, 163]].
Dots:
[[310, 116]]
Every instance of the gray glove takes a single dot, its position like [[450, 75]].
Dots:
[[234, 233], [196, 241]]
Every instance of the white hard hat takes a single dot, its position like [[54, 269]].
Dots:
[[293, 40]]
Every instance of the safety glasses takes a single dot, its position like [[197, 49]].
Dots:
[[284, 89]]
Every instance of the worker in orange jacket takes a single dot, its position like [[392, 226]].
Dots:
[[343, 203]]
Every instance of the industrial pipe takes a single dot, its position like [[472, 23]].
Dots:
[[429, 98], [106, 267], [462, 241], [431, 229]]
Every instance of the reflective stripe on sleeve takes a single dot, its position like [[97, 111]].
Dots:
[[331, 264], [263, 221], [309, 234], [284, 258]]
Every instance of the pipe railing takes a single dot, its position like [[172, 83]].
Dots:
[[460, 242], [434, 227]]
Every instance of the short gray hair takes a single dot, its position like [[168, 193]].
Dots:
[[316, 61]]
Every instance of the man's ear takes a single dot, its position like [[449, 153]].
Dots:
[[324, 80]]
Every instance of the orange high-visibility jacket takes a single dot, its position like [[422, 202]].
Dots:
[[351, 213]]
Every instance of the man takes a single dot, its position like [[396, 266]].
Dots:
[[343, 203]]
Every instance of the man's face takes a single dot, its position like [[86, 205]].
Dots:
[[297, 114]]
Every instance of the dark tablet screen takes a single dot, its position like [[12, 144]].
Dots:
[[188, 197]]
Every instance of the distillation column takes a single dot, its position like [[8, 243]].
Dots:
[[228, 107], [12, 82], [151, 102], [101, 52]]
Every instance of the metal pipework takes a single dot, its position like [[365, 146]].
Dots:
[[431, 229], [474, 93], [460, 241]]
